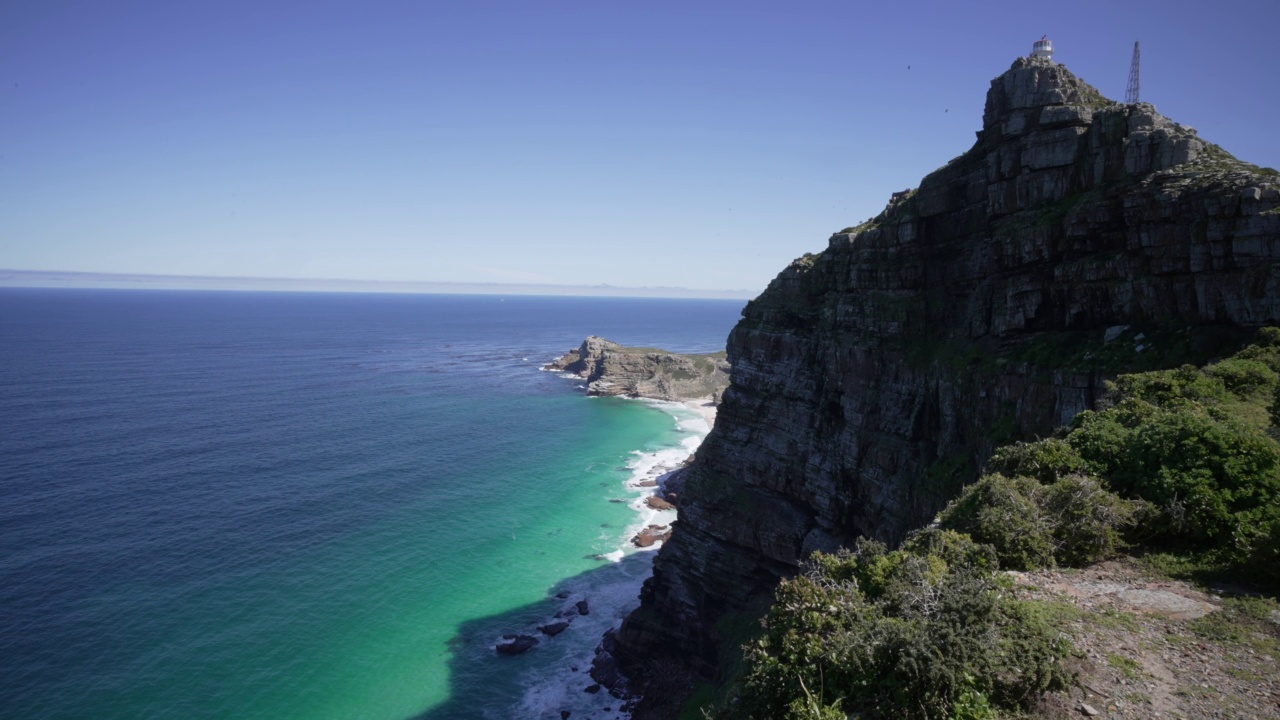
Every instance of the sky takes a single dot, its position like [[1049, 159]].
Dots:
[[636, 144]]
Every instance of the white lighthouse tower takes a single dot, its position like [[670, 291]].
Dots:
[[1043, 48]]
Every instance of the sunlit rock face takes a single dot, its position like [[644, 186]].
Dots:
[[1076, 239], [613, 369]]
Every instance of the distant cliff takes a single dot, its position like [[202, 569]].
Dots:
[[1078, 238], [613, 369]]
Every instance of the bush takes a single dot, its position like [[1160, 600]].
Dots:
[[1208, 473], [1267, 338], [1273, 413], [1168, 387], [955, 549], [1200, 446], [1002, 512], [1264, 553], [918, 633], [1044, 460], [1243, 376], [1087, 519], [1074, 521]]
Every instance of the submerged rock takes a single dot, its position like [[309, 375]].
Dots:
[[553, 629], [517, 644]]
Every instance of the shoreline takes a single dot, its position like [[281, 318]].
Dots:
[[571, 682], [706, 406]]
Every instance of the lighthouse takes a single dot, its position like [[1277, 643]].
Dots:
[[1042, 48]]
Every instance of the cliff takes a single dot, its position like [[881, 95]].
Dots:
[[613, 369], [1078, 238]]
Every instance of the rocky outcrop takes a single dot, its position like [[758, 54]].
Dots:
[[651, 535], [871, 380], [516, 644], [553, 629], [657, 503], [612, 369]]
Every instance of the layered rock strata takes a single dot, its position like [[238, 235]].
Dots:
[[871, 380], [613, 369]]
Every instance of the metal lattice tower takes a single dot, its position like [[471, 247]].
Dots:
[[1131, 91]]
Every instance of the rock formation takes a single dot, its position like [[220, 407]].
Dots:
[[651, 535], [612, 369], [516, 644], [871, 380]]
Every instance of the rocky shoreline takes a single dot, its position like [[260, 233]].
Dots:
[[694, 381], [612, 369]]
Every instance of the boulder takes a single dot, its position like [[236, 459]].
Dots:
[[553, 629], [658, 503], [516, 644], [650, 535]]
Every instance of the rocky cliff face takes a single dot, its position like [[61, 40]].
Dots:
[[1077, 238], [613, 369]]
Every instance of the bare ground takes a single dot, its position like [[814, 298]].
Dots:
[[1151, 647]]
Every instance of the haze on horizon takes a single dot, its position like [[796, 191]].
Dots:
[[657, 145]]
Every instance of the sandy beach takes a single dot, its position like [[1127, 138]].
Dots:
[[706, 406]]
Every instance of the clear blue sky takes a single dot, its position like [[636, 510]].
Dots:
[[694, 144]]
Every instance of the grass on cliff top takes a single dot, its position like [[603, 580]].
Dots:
[[1217, 158]]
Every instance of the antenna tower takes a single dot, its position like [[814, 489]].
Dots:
[[1131, 91]]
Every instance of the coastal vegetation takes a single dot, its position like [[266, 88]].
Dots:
[[1179, 467], [920, 632]]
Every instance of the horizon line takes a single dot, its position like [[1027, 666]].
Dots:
[[75, 279]]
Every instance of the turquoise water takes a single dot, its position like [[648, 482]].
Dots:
[[317, 506]]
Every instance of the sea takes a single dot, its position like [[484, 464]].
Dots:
[[308, 505]]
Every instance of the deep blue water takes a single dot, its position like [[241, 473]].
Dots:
[[313, 505]]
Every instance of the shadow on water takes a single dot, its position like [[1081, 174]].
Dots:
[[486, 686]]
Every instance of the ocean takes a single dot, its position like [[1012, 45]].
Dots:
[[294, 505]]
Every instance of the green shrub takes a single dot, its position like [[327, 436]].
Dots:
[[1002, 512], [1263, 556], [1243, 376], [1207, 473], [1044, 460], [1087, 519], [918, 633], [1267, 338], [1073, 521], [1166, 387], [1273, 413], [955, 549], [1200, 446]]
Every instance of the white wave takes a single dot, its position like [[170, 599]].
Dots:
[[560, 681], [612, 592]]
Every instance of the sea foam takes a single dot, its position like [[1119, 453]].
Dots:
[[561, 683]]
